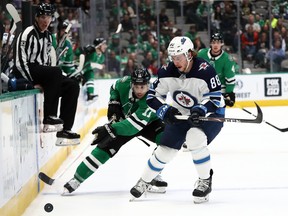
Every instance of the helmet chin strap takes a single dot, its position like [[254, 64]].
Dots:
[[188, 61]]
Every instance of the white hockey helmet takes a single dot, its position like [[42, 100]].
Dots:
[[180, 45]]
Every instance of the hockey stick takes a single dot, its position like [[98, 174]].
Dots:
[[50, 181], [119, 28], [257, 120], [247, 111], [80, 66], [63, 38], [61, 53], [17, 22]]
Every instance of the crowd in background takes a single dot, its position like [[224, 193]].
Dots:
[[262, 33]]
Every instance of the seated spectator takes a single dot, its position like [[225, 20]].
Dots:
[[113, 64], [192, 33], [251, 22], [147, 60], [130, 67], [198, 44], [127, 24], [262, 49], [276, 54], [249, 41]]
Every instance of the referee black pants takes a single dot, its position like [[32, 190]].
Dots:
[[56, 85]]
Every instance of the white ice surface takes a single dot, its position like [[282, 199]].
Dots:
[[250, 163]]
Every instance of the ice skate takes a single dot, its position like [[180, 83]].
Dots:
[[52, 124], [71, 186], [140, 188], [203, 189], [67, 138], [157, 185]]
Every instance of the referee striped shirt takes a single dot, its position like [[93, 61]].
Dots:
[[32, 47]]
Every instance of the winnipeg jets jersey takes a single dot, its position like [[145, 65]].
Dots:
[[201, 85]]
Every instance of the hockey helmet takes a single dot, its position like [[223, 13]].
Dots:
[[140, 76], [45, 9], [217, 36], [180, 45], [62, 25], [99, 41], [89, 49]]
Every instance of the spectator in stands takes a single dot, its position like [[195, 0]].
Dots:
[[127, 24], [123, 58], [262, 48], [192, 33], [126, 9], [276, 54], [113, 64], [216, 18], [153, 67], [249, 41], [246, 7], [147, 60], [251, 22], [198, 44], [114, 45], [163, 18], [130, 67], [202, 11]]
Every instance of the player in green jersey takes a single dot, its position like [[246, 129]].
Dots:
[[93, 61], [224, 64], [66, 60], [132, 118]]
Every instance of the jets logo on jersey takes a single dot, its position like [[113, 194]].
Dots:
[[164, 66], [203, 66], [184, 99]]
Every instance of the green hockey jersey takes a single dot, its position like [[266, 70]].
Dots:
[[136, 111], [224, 66], [66, 61]]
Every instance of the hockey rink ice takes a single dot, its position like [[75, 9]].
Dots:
[[250, 163]]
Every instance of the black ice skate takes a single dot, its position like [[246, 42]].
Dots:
[[71, 186], [52, 124], [140, 188], [157, 185], [66, 138], [202, 190]]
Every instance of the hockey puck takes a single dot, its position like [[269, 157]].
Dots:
[[48, 207]]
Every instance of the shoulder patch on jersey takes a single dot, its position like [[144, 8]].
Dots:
[[203, 66], [124, 79], [164, 67], [184, 99]]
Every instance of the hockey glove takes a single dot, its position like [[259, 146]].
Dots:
[[167, 114], [229, 99], [115, 113], [196, 112], [103, 135]]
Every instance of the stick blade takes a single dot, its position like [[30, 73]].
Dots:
[[119, 27], [259, 117], [46, 179], [13, 12]]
